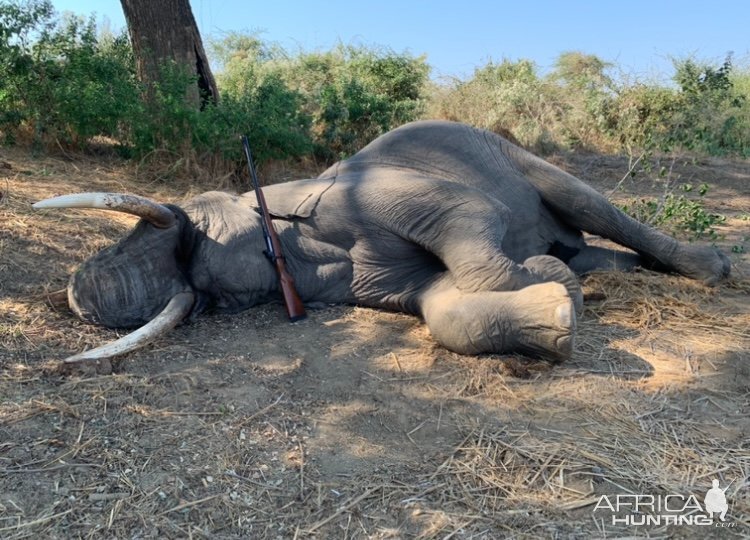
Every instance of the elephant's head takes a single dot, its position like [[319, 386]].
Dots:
[[141, 281]]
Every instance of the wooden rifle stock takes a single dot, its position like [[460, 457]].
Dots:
[[292, 301]]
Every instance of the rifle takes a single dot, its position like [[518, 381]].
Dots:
[[292, 301]]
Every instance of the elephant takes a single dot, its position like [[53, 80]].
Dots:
[[480, 238]]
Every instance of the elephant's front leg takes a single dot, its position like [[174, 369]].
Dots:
[[538, 320]]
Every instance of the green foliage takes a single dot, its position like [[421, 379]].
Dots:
[[563, 109], [639, 117], [349, 94], [705, 113], [66, 84], [269, 113], [677, 213], [585, 92], [506, 97], [583, 71], [262, 107], [578, 105], [337, 101], [62, 82]]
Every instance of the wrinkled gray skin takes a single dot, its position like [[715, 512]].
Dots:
[[457, 225]]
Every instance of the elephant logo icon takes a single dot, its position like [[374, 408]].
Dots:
[[716, 500]]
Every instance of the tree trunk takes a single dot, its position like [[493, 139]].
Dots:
[[162, 32]]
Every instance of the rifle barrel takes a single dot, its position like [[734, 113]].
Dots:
[[293, 303]]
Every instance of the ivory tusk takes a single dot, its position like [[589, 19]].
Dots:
[[157, 214], [176, 310]]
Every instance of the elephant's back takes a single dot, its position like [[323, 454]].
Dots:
[[441, 149], [469, 156]]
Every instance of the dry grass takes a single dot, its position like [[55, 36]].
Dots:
[[353, 424]]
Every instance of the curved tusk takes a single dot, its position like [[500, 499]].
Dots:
[[157, 214], [177, 309]]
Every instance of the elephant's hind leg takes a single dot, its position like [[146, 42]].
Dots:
[[583, 208], [467, 235], [538, 320]]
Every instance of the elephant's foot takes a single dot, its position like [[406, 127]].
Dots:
[[703, 263], [539, 320], [547, 268], [545, 321]]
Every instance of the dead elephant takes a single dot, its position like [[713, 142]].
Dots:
[[477, 236]]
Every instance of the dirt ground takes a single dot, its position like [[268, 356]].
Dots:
[[354, 423]]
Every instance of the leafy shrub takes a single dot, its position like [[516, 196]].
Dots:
[[349, 94], [62, 83], [365, 95], [564, 109], [707, 121], [257, 101], [333, 103], [677, 213], [639, 117], [586, 93], [704, 113], [578, 105], [505, 97], [268, 113], [66, 84], [171, 124]]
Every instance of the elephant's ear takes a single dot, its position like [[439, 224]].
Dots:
[[296, 199]]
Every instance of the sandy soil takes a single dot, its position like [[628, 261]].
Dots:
[[354, 423]]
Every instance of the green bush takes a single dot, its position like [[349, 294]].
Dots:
[[564, 109], [62, 83], [349, 95], [677, 213], [265, 112], [639, 117], [66, 84], [331, 103], [507, 97], [578, 105], [255, 100], [707, 120], [269, 114]]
